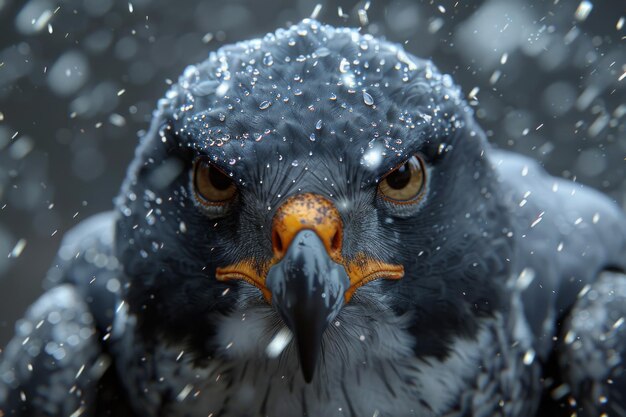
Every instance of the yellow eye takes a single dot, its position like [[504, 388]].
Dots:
[[211, 185], [405, 183]]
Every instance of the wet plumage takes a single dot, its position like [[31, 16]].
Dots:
[[270, 204]]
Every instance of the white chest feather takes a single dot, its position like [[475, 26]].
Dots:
[[367, 369]]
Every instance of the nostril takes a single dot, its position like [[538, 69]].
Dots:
[[277, 242], [335, 243]]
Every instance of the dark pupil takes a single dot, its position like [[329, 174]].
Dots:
[[218, 179], [399, 178]]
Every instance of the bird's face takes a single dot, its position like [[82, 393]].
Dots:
[[311, 172]]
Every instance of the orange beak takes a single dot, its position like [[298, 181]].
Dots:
[[310, 212]]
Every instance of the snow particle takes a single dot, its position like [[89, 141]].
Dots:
[[583, 10], [278, 343], [316, 11], [18, 248]]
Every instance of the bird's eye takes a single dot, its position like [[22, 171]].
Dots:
[[211, 185], [405, 183]]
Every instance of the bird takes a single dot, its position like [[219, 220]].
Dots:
[[315, 224]]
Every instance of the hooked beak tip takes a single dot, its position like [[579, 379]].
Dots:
[[307, 374], [309, 343]]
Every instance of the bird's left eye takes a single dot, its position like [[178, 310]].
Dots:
[[211, 185], [405, 183]]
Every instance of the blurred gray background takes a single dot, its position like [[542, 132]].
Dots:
[[79, 79]]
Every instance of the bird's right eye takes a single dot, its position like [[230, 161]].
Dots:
[[212, 186]]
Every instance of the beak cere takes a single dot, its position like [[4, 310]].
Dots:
[[308, 280], [307, 211], [308, 286]]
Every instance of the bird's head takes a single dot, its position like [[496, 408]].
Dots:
[[312, 171]]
